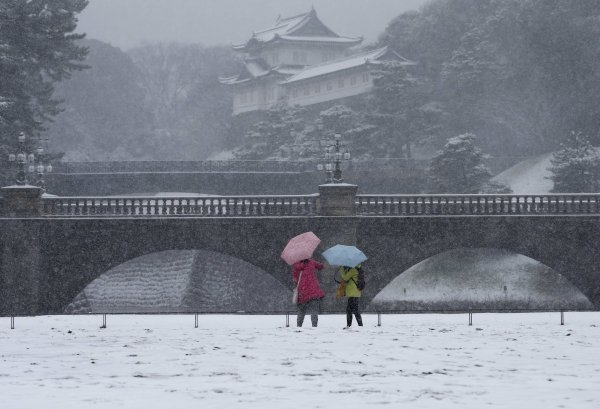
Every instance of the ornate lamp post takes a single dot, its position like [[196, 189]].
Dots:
[[36, 163], [40, 168], [333, 159], [20, 158]]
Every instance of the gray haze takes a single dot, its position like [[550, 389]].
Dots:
[[128, 23]]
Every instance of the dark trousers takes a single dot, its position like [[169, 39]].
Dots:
[[314, 307], [353, 308]]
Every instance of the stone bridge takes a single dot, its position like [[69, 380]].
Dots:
[[52, 247]]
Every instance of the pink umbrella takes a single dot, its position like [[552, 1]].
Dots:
[[300, 247]]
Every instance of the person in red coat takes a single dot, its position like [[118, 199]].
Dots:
[[309, 290]]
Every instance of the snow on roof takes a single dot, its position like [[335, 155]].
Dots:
[[232, 80], [256, 72], [256, 69], [282, 27], [253, 68], [288, 70], [322, 39], [342, 64], [285, 28]]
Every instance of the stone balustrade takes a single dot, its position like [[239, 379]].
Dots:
[[477, 204], [332, 200], [207, 206]]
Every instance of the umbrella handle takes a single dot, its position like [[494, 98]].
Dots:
[[334, 275]]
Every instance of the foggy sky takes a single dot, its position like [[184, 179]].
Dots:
[[128, 23]]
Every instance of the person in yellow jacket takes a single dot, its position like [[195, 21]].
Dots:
[[350, 277]]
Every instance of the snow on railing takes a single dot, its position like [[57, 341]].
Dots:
[[205, 206], [477, 204], [306, 205]]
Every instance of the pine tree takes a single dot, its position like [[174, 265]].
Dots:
[[460, 168], [355, 129], [275, 136], [404, 111], [393, 102], [37, 49], [576, 166]]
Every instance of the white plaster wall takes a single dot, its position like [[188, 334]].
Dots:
[[264, 95], [306, 92], [248, 99], [313, 54], [303, 93]]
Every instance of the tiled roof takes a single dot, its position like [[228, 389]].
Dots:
[[285, 28], [323, 39], [353, 61], [257, 68]]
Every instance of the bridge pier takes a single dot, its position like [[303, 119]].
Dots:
[[337, 200], [20, 257]]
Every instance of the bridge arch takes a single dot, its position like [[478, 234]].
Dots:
[[479, 278], [570, 246], [75, 252], [180, 281]]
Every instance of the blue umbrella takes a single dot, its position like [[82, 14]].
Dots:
[[341, 255]]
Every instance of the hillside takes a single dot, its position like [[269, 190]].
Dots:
[[528, 176]]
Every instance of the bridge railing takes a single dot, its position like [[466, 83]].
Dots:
[[478, 204], [206, 206], [183, 166]]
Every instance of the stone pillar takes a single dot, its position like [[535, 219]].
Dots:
[[337, 199], [22, 200], [332, 231], [20, 266], [20, 253]]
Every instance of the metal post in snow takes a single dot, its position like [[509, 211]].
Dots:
[[103, 321], [470, 318], [287, 319], [379, 319], [562, 317], [196, 321], [12, 322]]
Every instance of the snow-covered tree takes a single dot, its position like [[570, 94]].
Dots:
[[576, 166], [460, 168], [103, 117], [404, 110], [393, 102], [274, 136], [187, 102], [356, 131], [37, 49]]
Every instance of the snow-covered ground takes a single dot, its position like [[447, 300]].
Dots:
[[413, 361], [528, 176]]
